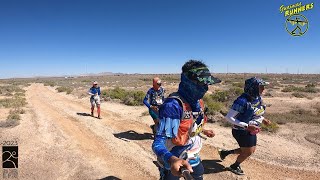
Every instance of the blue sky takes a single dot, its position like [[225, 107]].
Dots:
[[65, 37]]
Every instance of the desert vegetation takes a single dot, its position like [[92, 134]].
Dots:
[[14, 99]]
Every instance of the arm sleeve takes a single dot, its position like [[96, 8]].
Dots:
[[260, 119], [159, 148], [146, 98], [168, 127], [231, 117]]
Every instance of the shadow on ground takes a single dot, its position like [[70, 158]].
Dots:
[[132, 135], [212, 166], [83, 114], [110, 178]]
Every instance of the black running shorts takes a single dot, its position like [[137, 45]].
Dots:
[[244, 138]]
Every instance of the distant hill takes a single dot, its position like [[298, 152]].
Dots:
[[101, 74]]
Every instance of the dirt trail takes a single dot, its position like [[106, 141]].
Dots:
[[58, 140]]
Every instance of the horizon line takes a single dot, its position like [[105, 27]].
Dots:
[[119, 73]]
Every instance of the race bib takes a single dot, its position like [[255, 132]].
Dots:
[[159, 100], [197, 128]]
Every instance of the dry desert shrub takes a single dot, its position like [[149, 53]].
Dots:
[[128, 97], [68, 90], [298, 115]]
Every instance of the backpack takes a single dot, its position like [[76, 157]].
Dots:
[[188, 126]]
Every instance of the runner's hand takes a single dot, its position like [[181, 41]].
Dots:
[[177, 163], [266, 122], [252, 127], [155, 108], [209, 133]]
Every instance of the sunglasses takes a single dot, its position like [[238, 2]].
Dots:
[[201, 76]]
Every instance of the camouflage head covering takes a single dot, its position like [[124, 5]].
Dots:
[[202, 75], [251, 86]]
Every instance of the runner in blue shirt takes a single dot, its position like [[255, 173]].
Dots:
[[181, 119], [153, 99], [95, 93], [246, 115]]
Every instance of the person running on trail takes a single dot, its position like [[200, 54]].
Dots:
[[246, 115], [95, 93], [153, 99], [182, 116]]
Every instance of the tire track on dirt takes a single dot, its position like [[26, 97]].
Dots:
[[92, 146]]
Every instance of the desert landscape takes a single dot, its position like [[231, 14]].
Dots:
[[58, 139]]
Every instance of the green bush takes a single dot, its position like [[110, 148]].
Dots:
[[273, 127], [225, 96], [220, 96], [170, 78], [134, 98], [237, 91], [138, 96], [10, 90], [146, 79], [116, 93], [298, 95], [19, 94], [291, 88], [15, 102], [68, 90], [295, 116], [131, 98], [49, 83], [86, 81], [312, 85], [238, 84], [212, 105], [6, 103], [309, 88], [13, 116]]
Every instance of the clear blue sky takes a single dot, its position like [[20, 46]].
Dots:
[[64, 37]]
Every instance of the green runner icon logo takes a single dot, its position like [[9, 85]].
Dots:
[[297, 25]]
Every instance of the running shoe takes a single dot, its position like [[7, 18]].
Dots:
[[236, 170], [223, 154]]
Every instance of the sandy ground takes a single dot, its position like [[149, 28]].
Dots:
[[286, 104], [58, 140]]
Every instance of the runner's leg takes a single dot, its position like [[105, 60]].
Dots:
[[98, 110], [92, 106]]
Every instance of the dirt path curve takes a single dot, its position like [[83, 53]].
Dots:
[[57, 140]]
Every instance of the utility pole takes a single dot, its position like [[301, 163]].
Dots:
[[227, 69]]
